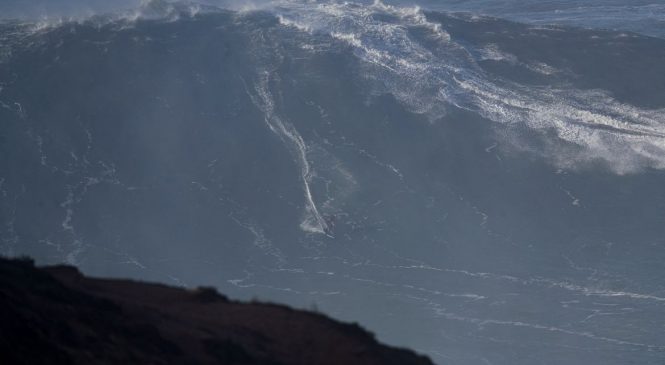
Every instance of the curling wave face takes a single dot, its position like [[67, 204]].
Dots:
[[480, 190], [404, 53]]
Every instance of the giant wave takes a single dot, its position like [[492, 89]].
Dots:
[[445, 177]]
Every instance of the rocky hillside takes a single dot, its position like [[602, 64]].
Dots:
[[55, 315]]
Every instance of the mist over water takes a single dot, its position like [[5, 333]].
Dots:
[[641, 16], [484, 190]]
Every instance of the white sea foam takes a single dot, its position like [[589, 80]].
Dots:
[[426, 77], [494, 53], [542, 68], [414, 59], [157, 10]]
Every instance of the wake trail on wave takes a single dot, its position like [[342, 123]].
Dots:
[[262, 98]]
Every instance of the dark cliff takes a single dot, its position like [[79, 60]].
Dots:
[[55, 315]]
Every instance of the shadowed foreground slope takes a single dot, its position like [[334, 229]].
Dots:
[[56, 315]]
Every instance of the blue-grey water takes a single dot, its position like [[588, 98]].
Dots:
[[481, 181]]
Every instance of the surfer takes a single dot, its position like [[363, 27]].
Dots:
[[329, 226]]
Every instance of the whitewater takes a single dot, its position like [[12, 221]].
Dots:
[[479, 181]]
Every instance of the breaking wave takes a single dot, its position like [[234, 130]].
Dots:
[[415, 60], [440, 166], [401, 51]]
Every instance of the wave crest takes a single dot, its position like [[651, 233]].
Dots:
[[416, 60]]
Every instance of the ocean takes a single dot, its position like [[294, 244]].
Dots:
[[480, 181]]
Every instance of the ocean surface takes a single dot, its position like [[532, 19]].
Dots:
[[480, 181]]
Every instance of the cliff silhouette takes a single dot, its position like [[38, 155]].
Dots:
[[56, 315]]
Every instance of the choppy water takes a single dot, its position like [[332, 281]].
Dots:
[[478, 189], [642, 16]]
